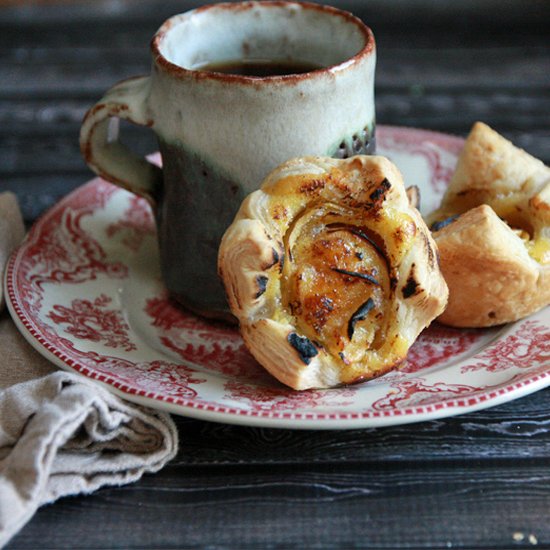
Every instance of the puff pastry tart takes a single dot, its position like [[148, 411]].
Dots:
[[493, 233], [330, 272]]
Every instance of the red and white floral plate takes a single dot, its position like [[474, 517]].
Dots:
[[86, 292]]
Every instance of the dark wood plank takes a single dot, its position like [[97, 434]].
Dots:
[[39, 192], [509, 110], [323, 506], [394, 487], [66, 73], [422, 18]]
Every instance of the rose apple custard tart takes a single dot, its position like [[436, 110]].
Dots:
[[331, 272]]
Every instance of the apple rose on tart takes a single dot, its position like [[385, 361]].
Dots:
[[493, 233], [330, 271]]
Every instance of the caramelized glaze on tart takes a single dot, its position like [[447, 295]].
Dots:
[[330, 271]]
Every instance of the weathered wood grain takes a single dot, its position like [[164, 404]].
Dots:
[[425, 18], [527, 109], [59, 72], [462, 505], [474, 481]]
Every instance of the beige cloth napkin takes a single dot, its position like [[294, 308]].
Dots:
[[61, 434], [12, 231]]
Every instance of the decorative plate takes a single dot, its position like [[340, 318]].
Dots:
[[85, 290]]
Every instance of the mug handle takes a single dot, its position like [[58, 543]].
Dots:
[[99, 138]]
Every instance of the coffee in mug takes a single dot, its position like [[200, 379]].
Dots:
[[261, 68], [235, 90]]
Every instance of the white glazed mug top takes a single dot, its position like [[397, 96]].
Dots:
[[248, 125], [220, 134], [321, 35]]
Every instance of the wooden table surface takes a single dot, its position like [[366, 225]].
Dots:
[[480, 480]]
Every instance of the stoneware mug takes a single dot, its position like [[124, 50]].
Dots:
[[220, 134]]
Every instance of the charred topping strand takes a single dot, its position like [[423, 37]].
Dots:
[[365, 237], [363, 276], [413, 194], [431, 256], [304, 346], [281, 263], [436, 226], [345, 360], [261, 281], [274, 259], [410, 288], [362, 234], [359, 233], [380, 191], [359, 315], [290, 256]]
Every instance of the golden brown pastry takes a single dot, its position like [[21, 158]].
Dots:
[[330, 272], [493, 233]]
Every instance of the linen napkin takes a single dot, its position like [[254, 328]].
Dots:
[[61, 434], [12, 231]]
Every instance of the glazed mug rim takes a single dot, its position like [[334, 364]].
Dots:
[[182, 72]]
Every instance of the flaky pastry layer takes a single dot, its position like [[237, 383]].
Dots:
[[493, 233], [330, 271]]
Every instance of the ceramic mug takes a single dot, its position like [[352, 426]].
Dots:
[[220, 134]]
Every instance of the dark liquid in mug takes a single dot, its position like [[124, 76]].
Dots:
[[261, 67]]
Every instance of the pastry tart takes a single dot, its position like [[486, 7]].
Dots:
[[493, 233], [330, 271]]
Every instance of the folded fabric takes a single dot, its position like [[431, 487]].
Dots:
[[62, 435], [12, 231]]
